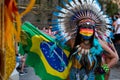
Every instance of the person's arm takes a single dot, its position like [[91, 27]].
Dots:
[[111, 54], [70, 43], [114, 24]]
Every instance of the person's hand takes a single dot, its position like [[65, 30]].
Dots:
[[99, 70], [102, 69]]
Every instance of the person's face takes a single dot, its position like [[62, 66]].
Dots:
[[86, 32]]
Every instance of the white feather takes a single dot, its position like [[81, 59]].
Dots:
[[90, 9], [83, 1], [77, 2], [61, 15], [73, 4], [65, 10]]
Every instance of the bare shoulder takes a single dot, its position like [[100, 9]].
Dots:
[[71, 42]]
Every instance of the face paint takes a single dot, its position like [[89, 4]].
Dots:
[[86, 33]]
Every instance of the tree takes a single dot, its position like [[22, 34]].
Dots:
[[110, 7]]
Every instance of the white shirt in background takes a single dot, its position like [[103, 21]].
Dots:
[[117, 24]]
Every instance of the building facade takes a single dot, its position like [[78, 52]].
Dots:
[[41, 14]]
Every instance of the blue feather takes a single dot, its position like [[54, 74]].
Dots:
[[97, 49], [112, 35], [55, 20], [64, 3], [95, 59], [70, 0], [79, 57], [55, 28], [58, 8], [55, 13], [58, 14], [72, 3], [62, 9], [59, 37], [89, 58]]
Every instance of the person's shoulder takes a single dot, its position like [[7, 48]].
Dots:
[[114, 23], [118, 21]]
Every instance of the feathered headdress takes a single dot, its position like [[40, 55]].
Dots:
[[84, 11]]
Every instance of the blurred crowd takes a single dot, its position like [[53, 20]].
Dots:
[[116, 25]]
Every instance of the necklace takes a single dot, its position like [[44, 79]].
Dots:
[[91, 52], [82, 50]]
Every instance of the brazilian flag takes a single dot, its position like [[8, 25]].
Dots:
[[44, 54]]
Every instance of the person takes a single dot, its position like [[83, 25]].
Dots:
[[76, 28], [86, 51], [48, 31], [116, 24], [105, 57], [21, 60], [83, 44], [116, 40], [109, 58]]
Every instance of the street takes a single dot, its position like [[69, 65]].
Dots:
[[30, 75], [115, 72]]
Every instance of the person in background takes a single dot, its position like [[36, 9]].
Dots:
[[109, 58], [116, 25], [21, 60], [48, 31]]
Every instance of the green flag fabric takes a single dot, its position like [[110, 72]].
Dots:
[[49, 59]]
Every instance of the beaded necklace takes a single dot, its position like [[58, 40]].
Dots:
[[91, 53]]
